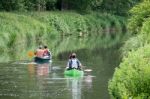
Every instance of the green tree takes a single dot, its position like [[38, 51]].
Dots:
[[51, 4], [84, 5], [11, 5], [120, 7], [140, 13]]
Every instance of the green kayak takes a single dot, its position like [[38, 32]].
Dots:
[[74, 73]]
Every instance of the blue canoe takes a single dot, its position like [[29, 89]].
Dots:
[[41, 60]]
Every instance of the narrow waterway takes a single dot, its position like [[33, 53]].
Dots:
[[27, 80]]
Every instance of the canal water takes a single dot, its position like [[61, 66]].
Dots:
[[27, 80]]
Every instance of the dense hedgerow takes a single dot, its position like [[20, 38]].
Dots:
[[138, 25], [139, 15], [131, 78], [139, 40], [132, 44]]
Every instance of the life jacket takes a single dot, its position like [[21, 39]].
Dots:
[[39, 53], [46, 52], [74, 63]]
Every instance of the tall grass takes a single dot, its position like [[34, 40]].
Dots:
[[20, 32], [17, 31]]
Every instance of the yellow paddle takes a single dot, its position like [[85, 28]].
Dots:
[[30, 54]]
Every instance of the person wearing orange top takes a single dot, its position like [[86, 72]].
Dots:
[[39, 52], [42, 55]]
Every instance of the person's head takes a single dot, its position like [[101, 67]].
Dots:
[[40, 47], [73, 55], [45, 46], [70, 56]]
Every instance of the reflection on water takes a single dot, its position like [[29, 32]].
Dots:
[[40, 81], [75, 85], [40, 69], [43, 69], [31, 69], [88, 81], [23, 80]]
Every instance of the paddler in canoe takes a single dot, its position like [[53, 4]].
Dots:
[[73, 62], [42, 54], [47, 53], [39, 52]]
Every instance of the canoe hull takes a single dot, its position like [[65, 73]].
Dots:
[[74, 73], [41, 60]]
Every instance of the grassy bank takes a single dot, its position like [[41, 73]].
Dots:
[[21, 32]]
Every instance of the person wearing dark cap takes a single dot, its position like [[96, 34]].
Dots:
[[73, 62]]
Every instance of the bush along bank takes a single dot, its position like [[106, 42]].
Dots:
[[131, 78]]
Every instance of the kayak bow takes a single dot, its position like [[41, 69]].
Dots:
[[74, 73]]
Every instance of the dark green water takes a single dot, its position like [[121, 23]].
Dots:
[[24, 80]]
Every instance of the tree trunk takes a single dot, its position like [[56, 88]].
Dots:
[[64, 4]]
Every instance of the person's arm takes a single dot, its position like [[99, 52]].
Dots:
[[35, 53], [67, 65], [50, 54], [80, 65]]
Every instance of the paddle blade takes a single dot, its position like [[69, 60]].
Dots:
[[88, 70], [30, 53]]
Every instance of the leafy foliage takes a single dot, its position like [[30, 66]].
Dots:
[[139, 24], [145, 31], [131, 78], [116, 6], [132, 44], [31, 5], [139, 15], [119, 7]]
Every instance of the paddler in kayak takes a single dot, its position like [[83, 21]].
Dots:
[[73, 62]]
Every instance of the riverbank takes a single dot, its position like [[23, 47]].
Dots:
[[21, 32]]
